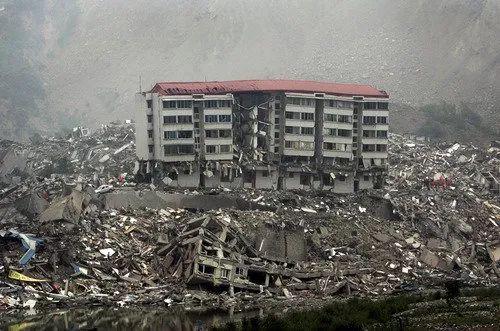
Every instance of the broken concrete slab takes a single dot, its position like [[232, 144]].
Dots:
[[31, 205], [158, 200], [382, 237], [433, 260], [68, 208]]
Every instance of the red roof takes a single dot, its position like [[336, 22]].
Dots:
[[278, 85]]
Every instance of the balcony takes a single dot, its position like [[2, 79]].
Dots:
[[344, 154], [375, 155], [337, 125], [337, 139], [375, 141]]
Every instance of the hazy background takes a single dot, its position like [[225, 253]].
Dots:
[[77, 62]]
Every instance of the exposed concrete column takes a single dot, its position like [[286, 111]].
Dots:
[[157, 108], [318, 139]]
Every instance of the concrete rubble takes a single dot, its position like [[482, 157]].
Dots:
[[64, 242]]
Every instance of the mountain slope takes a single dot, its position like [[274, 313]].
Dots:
[[420, 51]]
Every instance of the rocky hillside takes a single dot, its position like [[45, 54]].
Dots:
[[89, 54]]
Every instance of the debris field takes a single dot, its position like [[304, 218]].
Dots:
[[76, 229]]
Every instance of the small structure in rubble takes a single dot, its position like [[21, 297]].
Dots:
[[211, 251]]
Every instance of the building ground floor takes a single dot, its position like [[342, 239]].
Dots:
[[233, 176]]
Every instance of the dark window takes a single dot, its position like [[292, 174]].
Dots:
[[307, 116], [292, 115], [368, 148], [369, 120], [185, 119], [150, 133], [150, 103], [170, 150], [290, 175], [381, 134], [381, 148], [277, 106], [292, 129], [248, 176], [344, 133], [206, 269], [211, 104], [224, 103], [330, 132], [211, 134], [210, 118], [169, 120], [381, 120], [330, 118], [328, 146], [185, 134], [265, 173], [196, 125], [327, 180], [186, 149], [341, 178], [344, 104], [170, 135], [184, 104], [366, 178], [224, 133], [210, 149], [344, 119], [369, 133], [224, 118], [225, 148], [151, 148], [305, 179], [370, 105], [168, 104], [307, 131], [383, 105], [276, 120], [276, 135], [150, 118], [332, 103]]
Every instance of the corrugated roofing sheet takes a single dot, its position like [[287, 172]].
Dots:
[[277, 85]]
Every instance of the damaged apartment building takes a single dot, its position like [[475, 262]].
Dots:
[[265, 134]]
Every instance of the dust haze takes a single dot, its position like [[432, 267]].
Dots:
[[67, 63]]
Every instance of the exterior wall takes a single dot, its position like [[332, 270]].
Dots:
[[365, 184], [294, 183], [298, 138], [185, 180], [316, 144], [346, 186], [269, 182], [141, 127]]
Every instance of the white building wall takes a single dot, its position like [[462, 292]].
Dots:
[[269, 182], [346, 186], [141, 127], [365, 184]]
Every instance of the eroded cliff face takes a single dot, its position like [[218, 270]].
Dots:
[[89, 54]]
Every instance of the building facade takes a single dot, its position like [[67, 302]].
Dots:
[[271, 134]]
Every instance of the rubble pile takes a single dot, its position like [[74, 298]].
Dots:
[[91, 235]]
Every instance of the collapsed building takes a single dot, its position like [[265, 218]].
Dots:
[[264, 134], [212, 251]]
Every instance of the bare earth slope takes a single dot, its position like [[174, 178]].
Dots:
[[93, 52]]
